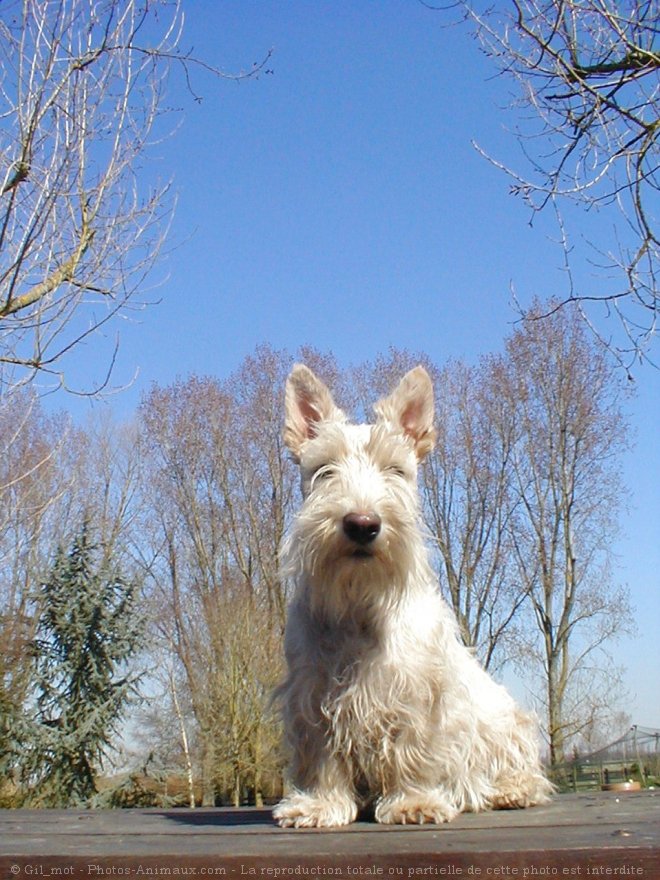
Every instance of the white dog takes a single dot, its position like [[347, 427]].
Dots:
[[383, 705]]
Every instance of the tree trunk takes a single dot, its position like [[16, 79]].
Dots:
[[184, 742], [237, 787], [258, 795], [208, 774], [555, 723]]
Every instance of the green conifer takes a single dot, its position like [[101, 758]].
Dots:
[[87, 632]]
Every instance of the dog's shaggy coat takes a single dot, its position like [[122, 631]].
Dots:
[[383, 705]]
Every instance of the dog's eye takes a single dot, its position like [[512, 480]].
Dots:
[[396, 470], [323, 473]]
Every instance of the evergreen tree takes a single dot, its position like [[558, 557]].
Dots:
[[87, 632]]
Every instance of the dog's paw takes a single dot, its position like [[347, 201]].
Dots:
[[511, 801], [521, 793], [415, 809], [302, 810]]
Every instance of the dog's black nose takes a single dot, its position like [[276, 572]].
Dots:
[[361, 528]]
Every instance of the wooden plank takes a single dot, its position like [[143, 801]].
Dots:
[[585, 835]]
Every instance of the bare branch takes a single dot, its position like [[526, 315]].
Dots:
[[81, 99], [589, 75]]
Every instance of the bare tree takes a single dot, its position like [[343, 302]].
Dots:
[[588, 76], [82, 86], [214, 490], [565, 453], [183, 540], [259, 480], [163, 733], [104, 473], [32, 485], [470, 504]]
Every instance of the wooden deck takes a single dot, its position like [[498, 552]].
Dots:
[[602, 834]]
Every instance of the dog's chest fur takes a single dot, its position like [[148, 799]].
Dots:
[[369, 698]]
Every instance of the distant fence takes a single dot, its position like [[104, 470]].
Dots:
[[635, 757]]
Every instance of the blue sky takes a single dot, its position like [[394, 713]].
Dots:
[[338, 201]]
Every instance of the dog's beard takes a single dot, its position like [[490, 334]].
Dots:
[[345, 579]]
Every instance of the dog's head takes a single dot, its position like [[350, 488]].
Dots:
[[357, 533]]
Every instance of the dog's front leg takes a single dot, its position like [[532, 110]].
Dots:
[[327, 801], [411, 793]]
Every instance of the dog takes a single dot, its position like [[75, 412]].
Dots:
[[384, 708]]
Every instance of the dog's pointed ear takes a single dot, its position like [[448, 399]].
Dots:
[[410, 408], [308, 402]]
